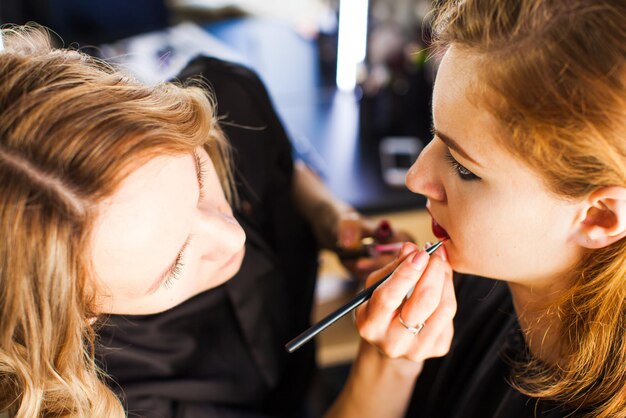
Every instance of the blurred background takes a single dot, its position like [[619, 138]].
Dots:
[[349, 78]]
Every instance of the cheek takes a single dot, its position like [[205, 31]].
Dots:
[[484, 223], [478, 227], [514, 238]]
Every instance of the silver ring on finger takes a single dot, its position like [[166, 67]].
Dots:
[[413, 330]]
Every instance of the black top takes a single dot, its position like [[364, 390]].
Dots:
[[473, 380], [221, 353]]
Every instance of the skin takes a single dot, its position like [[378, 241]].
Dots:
[[165, 191], [336, 224], [506, 224], [502, 220], [131, 253]]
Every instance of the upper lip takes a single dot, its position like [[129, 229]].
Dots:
[[432, 216]]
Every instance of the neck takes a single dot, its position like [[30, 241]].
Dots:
[[539, 320]]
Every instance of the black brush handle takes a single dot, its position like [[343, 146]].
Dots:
[[333, 317]]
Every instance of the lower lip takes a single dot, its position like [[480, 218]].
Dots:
[[439, 231]]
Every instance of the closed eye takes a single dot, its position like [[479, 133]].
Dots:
[[174, 272]]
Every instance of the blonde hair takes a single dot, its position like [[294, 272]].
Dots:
[[71, 129], [553, 74]]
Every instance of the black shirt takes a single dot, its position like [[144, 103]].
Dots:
[[474, 379]]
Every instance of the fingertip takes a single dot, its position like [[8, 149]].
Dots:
[[419, 260], [405, 250], [349, 238], [441, 253], [365, 264]]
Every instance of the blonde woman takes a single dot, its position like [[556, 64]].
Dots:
[[73, 131], [526, 176], [114, 198]]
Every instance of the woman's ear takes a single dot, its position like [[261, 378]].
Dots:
[[602, 220]]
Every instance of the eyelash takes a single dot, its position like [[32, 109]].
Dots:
[[461, 171], [202, 170], [175, 271]]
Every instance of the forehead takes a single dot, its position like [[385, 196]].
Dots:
[[145, 222], [457, 108], [456, 75]]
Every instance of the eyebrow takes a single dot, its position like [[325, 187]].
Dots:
[[452, 144], [163, 276]]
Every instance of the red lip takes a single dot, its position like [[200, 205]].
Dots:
[[439, 231]]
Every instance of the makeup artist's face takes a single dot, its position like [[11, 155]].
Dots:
[[502, 221], [160, 239]]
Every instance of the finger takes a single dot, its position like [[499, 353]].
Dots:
[[418, 341], [428, 292], [433, 341], [418, 308], [370, 329], [436, 336], [407, 248], [382, 255], [431, 346], [371, 264], [390, 295], [376, 275], [349, 232]]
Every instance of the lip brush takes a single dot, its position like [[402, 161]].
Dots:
[[333, 317]]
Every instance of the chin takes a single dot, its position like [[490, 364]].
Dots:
[[230, 271], [459, 265]]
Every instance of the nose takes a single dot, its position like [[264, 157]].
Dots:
[[424, 176], [220, 233]]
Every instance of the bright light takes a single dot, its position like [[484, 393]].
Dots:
[[1, 43], [352, 42]]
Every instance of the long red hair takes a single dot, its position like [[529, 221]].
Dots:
[[554, 75]]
